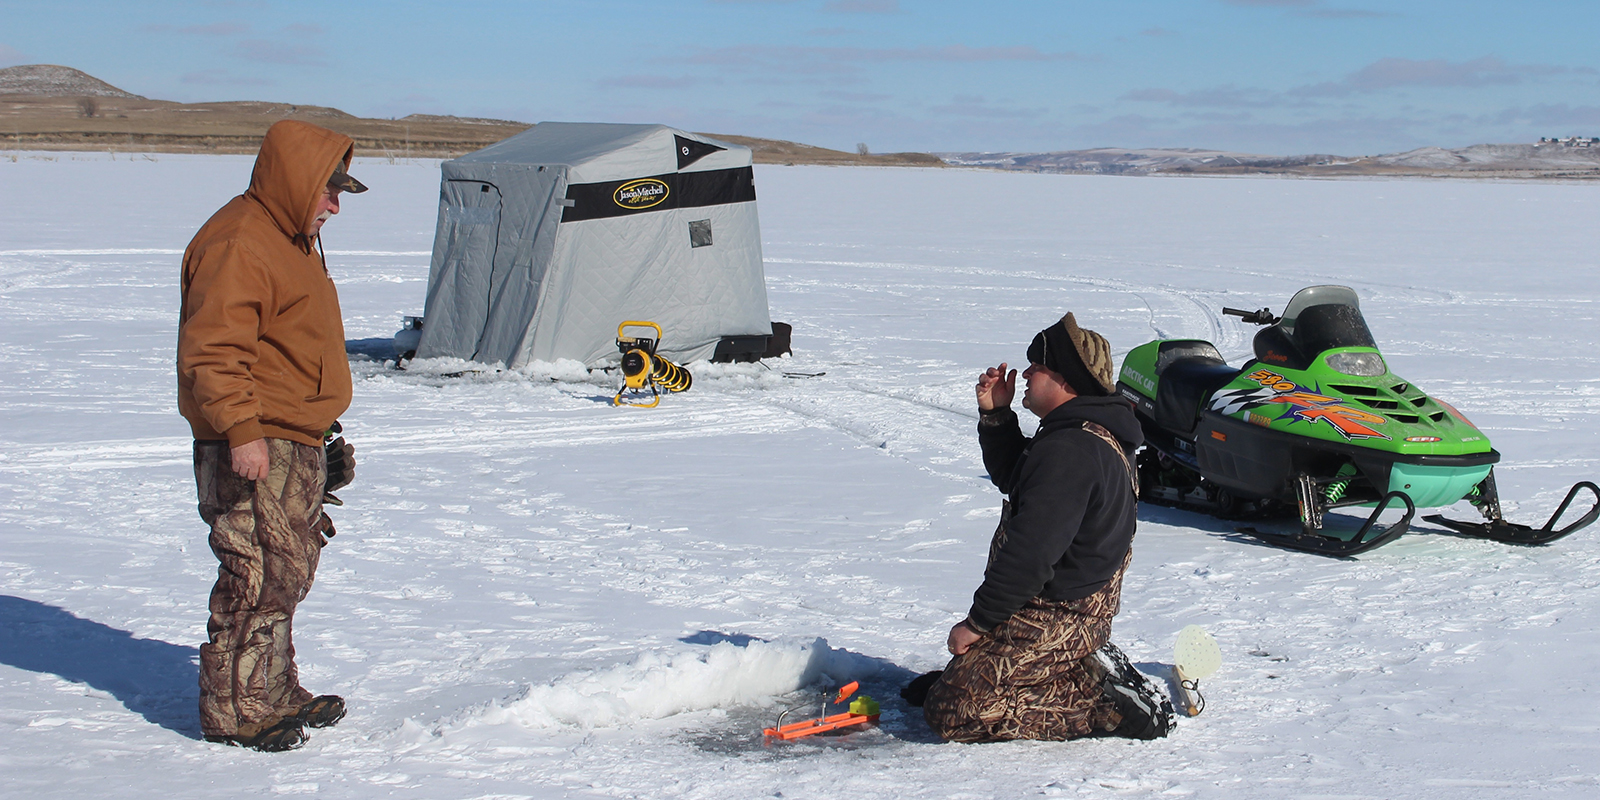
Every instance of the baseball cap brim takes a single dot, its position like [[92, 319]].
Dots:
[[342, 181]]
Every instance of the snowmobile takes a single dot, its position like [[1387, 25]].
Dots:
[[1315, 422]]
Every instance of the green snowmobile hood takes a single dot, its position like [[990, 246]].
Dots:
[[1381, 412]]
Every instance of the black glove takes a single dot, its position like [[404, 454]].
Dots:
[[341, 457]]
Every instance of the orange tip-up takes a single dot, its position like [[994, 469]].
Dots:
[[864, 711], [811, 727], [846, 690]]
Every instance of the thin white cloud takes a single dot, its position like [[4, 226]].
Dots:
[[270, 52], [222, 77], [1303, 137], [863, 6], [973, 106], [1311, 8], [956, 53], [10, 56], [648, 82], [858, 97], [213, 29], [1218, 97], [1345, 13], [1392, 73], [1382, 75], [1573, 120]]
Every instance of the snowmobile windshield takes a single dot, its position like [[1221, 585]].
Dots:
[[1316, 296], [1327, 327]]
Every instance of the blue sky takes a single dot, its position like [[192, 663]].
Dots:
[[1349, 77]]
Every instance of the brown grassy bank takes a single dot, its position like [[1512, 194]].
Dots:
[[134, 124]]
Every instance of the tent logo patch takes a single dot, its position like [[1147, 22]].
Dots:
[[640, 194]]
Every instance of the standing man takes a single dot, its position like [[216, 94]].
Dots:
[[1033, 658], [262, 375]]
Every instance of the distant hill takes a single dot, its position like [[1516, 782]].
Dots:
[[1550, 160], [777, 151], [49, 80], [1118, 161], [1494, 158], [47, 107]]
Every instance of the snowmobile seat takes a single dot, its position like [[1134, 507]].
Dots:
[[1179, 349], [1185, 383]]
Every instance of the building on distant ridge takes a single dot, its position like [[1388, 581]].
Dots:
[[1571, 141]]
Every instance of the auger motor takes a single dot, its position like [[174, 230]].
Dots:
[[642, 368]]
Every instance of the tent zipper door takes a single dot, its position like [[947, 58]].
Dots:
[[474, 239]]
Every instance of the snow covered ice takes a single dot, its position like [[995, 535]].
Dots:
[[535, 594]]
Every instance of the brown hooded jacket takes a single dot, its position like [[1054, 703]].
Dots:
[[260, 338]]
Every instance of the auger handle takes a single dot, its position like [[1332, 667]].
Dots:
[[634, 323]]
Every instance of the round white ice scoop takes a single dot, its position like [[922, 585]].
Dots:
[[1196, 656]]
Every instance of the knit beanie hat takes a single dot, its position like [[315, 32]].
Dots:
[[1081, 356]]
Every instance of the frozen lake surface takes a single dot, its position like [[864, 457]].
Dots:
[[535, 594]]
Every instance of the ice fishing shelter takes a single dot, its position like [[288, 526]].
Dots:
[[549, 239]]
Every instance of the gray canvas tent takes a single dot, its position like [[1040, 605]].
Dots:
[[549, 239]]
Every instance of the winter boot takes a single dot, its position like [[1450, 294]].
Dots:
[[272, 737], [322, 711], [916, 692], [1138, 710]]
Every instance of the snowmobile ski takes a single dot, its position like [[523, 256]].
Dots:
[[1496, 528], [1312, 540]]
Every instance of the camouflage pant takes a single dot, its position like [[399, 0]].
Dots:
[[1027, 678], [265, 535]]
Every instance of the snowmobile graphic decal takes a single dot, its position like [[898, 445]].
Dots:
[[1304, 404]]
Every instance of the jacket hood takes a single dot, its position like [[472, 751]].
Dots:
[[1114, 413], [293, 167]]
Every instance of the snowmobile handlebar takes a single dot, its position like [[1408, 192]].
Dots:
[[1258, 317]]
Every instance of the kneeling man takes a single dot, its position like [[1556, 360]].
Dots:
[[1033, 658]]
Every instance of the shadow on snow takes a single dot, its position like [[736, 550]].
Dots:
[[155, 679]]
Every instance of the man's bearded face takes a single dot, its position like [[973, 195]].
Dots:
[[327, 206]]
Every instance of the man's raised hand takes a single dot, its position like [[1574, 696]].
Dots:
[[996, 388]]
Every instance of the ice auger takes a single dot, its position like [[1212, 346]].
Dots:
[[642, 368]]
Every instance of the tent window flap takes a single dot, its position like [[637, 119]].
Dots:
[[700, 233]]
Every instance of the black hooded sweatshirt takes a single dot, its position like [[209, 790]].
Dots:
[[1071, 512]]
